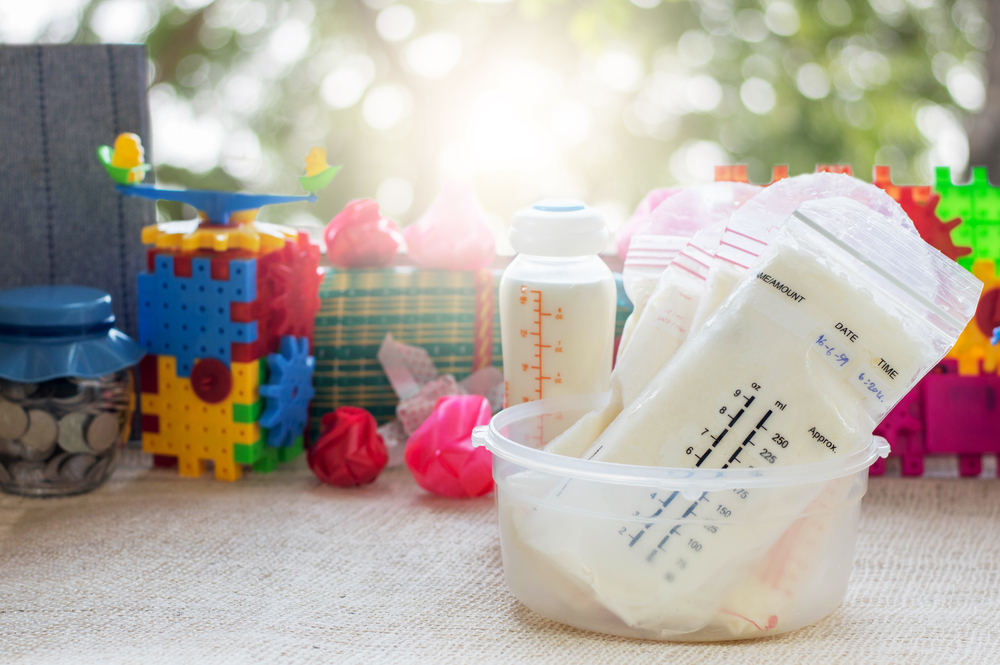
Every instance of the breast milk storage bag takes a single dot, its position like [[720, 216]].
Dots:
[[835, 321], [661, 329]]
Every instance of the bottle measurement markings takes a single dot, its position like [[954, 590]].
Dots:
[[539, 343]]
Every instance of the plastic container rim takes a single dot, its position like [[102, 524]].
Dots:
[[652, 476]]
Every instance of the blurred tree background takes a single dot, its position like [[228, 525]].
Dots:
[[596, 99]]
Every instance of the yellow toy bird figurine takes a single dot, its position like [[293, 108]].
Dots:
[[319, 174], [128, 151], [125, 163], [316, 161]]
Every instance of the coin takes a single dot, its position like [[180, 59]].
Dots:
[[52, 467], [74, 400], [97, 471], [16, 391], [102, 432], [71, 437], [27, 473], [13, 420], [37, 454], [9, 448], [76, 467], [40, 392], [43, 430]]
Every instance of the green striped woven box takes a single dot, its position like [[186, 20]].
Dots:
[[453, 315]]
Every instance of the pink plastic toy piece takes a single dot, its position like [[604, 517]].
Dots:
[[946, 413], [963, 417], [440, 454], [360, 237], [350, 451], [453, 233], [641, 214], [903, 428]]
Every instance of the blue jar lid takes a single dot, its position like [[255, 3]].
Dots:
[[52, 331]]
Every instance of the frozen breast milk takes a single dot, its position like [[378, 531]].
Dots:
[[838, 318], [661, 329]]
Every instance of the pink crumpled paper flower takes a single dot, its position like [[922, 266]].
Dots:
[[440, 454], [453, 233], [349, 451]]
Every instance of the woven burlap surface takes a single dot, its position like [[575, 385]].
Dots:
[[277, 568]]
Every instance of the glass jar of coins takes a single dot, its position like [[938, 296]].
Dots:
[[66, 389]]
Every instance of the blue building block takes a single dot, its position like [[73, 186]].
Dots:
[[288, 392], [190, 317]]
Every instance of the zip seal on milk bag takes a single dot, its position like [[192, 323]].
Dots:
[[753, 226], [648, 256], [753, 389]]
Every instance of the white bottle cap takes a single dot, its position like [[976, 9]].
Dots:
[[558, 228]]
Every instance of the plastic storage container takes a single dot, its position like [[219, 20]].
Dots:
[[66, 390], [796, 578]]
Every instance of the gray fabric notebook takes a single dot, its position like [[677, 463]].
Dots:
[[61, 221]]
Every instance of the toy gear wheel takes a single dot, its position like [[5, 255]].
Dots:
[[932, 229], [287, 392]]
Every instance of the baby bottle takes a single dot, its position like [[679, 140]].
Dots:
[[557, 304]]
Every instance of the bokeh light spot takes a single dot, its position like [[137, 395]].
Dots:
[[386, 105], [395, 195], [434, 55], [812, 81], [395, 23], [344, 86], [758, 95]]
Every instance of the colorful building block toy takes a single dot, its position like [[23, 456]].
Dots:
[[227, 309]]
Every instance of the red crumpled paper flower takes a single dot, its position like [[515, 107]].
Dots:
[[349, 451], [360, 237], [453, 234], [440, 454]]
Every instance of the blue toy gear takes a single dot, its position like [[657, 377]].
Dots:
[[288, 392]]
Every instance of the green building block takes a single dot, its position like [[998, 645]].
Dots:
[[248, 454], [985, 240], [956, 200], [267, 463], [269, 457], [288, 453], [977, 204], [247, 413], [985, 198]]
